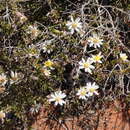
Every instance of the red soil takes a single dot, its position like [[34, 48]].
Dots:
[[112, 118]]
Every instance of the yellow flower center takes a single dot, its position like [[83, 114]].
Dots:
[[48, 63], [34, 31], [86, 65], [57, 99], [92, 90], [83, 93], [97, 58], [74, 25], [96, 40], [124, 58], [33, 51], [14, 78]]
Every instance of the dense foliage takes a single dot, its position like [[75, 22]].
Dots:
[[42, 52]]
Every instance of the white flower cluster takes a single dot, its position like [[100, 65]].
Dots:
[[84, 92], [14, 78], [88, 64], [91, 88], [93, 41], [88, 90]]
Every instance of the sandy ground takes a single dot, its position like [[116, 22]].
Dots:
[[112, 118]]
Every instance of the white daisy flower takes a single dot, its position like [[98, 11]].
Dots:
[[46, 48], [82, 93], [14, 77], [49, 64], [3, 79], [91, 89], [87, 65], [2, 115], [57, 97], [123, 57], [74, 25], [97, 58], [35, 108], [33, 31], [33, 52], [95, 41]]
